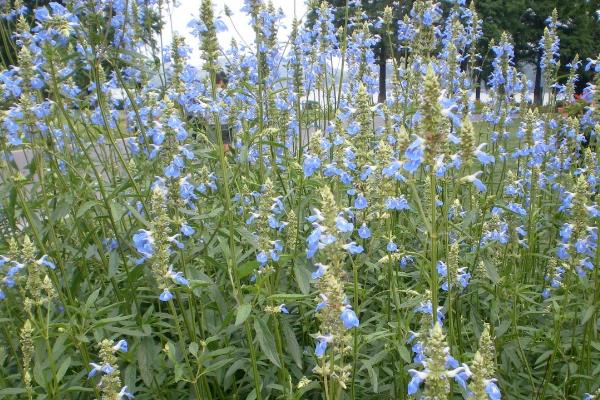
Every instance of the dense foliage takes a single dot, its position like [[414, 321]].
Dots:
[[338, 248]]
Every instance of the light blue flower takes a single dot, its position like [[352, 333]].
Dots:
[[177, 277], [415, 382], [166, 295], [414, 155], [349, 318], [105, 369], [353, 248], [343, 225], [121, 346], [360, 202], [310, 165], [353, 128], [492, 390], [321, 347], [483, 157], [144, 242], [262, 257], [125, 393], [474, 179], [44, 261], [321, 269], [322, 304], [187, 230], [463, 376], [391, 246], [397, 203], [364, 232]]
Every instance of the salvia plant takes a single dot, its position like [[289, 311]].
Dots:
[[336, 248]]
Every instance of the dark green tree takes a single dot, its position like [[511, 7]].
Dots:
[[371, 11], [525, 20]]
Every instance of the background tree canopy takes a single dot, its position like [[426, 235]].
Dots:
[[524, 20]]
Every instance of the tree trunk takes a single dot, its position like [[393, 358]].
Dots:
[[537, 90], [382, 72], [478, 90]]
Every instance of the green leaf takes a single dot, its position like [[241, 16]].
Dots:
[[64, 366], [84, 207], [302, 275], [266, 341], [113, 264], [193, 348], [589, 313], [79, 389], [145, 353], [217, 366], [239, 364], [242, 314], [288, 296], [247, 268], [92, 299], [492, 272], [38, 374], [404, 354], [291, 342], [11, 392], [126, 331]]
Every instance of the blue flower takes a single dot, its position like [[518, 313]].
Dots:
[[41, 14], [404, 261], [177, 277], [173, 239], [121, 346], [417, 378], [360, 202], [391, 246], [414, 154], [311, 164], [397, 203], [343, 225], [517, 209], [220, 26], [463, 376], [144, 242], [186, 152], [262, 257], [321, 347], [364, 232], [426, 308], [187, 230], [474, 179], [353, 248], [321, 269], [353, 128], [492, 390], [349, 318], [322, 304], [463, 277], [562, 251], [166, 295], [125, 393], [105, 369], [483, 157], [546, 293], [172, 170], [283, 309], [44, 261], [593, 211]]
